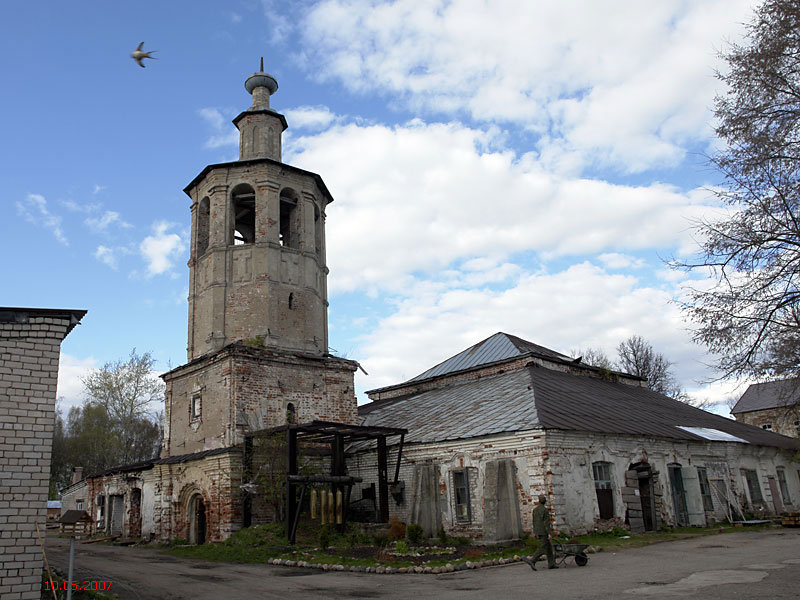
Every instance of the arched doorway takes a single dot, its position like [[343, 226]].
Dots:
[[197, 520]]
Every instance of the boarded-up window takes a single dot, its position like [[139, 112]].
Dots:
[[705, 489], [784, 487], [461, 496], [751, 477], [603, 485]]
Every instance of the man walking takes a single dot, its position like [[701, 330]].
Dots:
[[541, 529]]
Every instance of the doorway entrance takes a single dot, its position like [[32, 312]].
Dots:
[[197, 520], [643, 482], [678, 495]]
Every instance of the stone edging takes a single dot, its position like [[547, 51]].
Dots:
[[448, 568]]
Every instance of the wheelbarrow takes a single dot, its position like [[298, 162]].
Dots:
[[577, 551]]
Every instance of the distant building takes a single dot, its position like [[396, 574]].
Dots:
[[772, 405], [494, 426]]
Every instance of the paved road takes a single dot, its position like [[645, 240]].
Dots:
[[747, 564]]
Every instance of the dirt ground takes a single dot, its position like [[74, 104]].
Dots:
[[749, 564]]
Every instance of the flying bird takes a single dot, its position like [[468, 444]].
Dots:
[[139, 54]]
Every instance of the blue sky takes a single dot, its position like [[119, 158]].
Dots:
[[523, 167]]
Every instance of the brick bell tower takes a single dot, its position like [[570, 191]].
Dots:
[[258, 327]]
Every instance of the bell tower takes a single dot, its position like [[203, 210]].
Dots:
[[258, 303], [257, 264]]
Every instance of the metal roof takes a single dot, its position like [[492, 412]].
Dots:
[[500, 346], [769, 394], [537, 397]]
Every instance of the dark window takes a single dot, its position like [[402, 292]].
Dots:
[[243, 203], [291, 301], [317, 231], [461, 495], [784, 487], [751, 477], [289, 226], [196, 407], [291, 413], [604, 487], [705, 489], [767, 426], [101, 506], [203, 217]]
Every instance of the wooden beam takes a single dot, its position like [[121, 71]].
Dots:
[[383, 484], [291, 469]]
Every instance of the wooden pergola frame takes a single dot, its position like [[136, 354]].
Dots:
[[337, 435]]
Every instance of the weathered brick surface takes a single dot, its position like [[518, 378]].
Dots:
[[246, 389], [780, 420], [558, 464], [29, 351]]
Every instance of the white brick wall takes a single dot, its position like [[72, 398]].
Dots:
[[29, 353]]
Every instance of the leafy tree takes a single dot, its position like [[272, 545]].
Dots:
[[637, 357], [115, 424], [750, 315]]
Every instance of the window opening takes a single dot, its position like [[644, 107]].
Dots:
[[243, 200], [604, 488], [203, 222], [291, 414], [196, 407], [783, 485], [101, 507], [79, 504], [705, 489], [461, 495], [317, 231], [291, 301], [678, 495], [751, 477], [767, 426], [289, 234]]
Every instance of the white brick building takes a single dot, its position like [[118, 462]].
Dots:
[[30, 342]]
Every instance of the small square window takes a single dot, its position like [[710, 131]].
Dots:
[[79, 504], [767, 426], [196, 407]]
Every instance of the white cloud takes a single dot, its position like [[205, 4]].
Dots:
[[101, 224], [615, 260], [615, 84], [426, 196], [106, 256], [71, 370], [310, 117], [224, 133], [161, 248], [579, 307], [34, 210], [77, 207], [98, 188]]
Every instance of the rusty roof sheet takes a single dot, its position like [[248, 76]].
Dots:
[[769, 394], [480, 407], [537, 397], [500, 346]]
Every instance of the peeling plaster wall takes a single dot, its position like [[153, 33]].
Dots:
[[558, 464]]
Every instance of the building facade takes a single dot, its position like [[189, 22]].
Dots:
[[495, 426], [771, 405]]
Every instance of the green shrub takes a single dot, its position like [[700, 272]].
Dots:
[[401, 547], [619, 531], [380, 539], [443, 539], [414, 533], [324, 537], [461, 541]]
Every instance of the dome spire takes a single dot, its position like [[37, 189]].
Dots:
[[261, 85]]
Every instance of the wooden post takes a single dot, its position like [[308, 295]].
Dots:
[[291, 469], [383, 485]]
